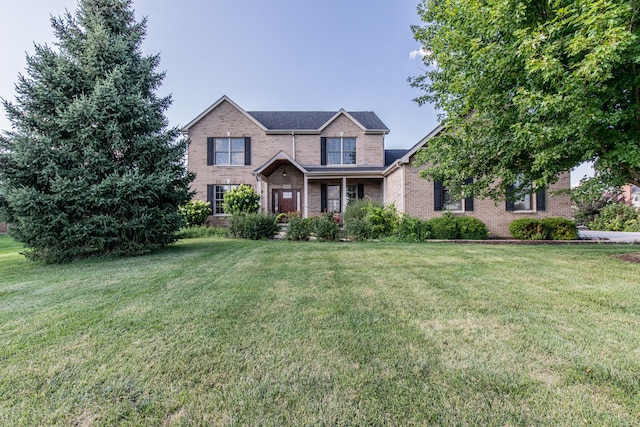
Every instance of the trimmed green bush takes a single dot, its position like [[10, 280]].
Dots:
[[444, 227], [412, 230], [369, 219], [195, 212], [242, 199], [202, 232], [529, 229], [561, 228], [614, 217], [299, 228], [326, 228], [471, 228], [254, 226]]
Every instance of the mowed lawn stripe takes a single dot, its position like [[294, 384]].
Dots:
[[227, 332]]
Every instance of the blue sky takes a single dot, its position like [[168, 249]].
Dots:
[[265, 55]]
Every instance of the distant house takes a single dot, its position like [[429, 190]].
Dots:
[[319, 161]]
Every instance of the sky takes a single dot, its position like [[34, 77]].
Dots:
[[275, 55]]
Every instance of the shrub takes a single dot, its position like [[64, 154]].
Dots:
[[201, 232], [195, 212], [614, 217], [561, 228], [471, 228], [254, 226], [299, 228], [529, 229], [241, 199], [369, 219], [326, 228], [591, 196], [444, 227], [412, 230]]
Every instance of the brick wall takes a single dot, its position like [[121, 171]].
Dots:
[[419, 202], [3, 227]]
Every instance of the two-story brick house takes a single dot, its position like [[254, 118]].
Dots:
[[317, 161]]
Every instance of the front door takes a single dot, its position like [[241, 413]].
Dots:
[[285, 200]]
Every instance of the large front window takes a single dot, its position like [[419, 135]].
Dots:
[[352, 192], [229, 151], [341, 151]]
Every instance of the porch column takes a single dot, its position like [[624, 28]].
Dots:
[[306, 197], [344, 193], [260, 191]]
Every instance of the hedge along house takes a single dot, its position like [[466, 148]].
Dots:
[[318, 161]]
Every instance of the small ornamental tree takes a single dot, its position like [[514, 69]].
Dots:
[[242, 199], [90, 167]]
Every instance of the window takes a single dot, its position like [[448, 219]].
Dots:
[[443, 199], [341, 151], [215, 196], [524, 203], [448, 202], [352, 192], [333, 198], [229, 151]]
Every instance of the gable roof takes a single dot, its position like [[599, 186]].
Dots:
[[391, 156], [303, 121], [406, 157]]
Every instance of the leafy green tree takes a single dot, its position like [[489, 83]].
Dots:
[[591, 196], [90, 166], [530, 89]]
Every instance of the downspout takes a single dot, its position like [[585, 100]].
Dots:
[[293, 141]]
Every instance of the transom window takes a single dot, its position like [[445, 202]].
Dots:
[[341, 151], [218, 198], [229, 151]]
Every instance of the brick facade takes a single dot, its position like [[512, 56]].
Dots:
[[298, 152]]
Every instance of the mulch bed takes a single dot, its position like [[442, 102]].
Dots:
[[632, 257]]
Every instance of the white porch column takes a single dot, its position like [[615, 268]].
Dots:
[[259, 177], [344, 194], [305, 213]]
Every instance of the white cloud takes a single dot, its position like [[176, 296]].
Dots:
[[420, 52]]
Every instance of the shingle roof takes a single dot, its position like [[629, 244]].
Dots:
[[391, 156], [312, 120]]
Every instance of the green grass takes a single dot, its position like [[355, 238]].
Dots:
[[227, 332]]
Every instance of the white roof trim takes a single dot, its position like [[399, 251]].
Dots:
[[213, 106], [407, 157], [349, 116], [280, 156]]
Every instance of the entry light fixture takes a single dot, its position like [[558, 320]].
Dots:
[[284, 173]]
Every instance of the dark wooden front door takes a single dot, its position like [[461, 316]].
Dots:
[[285, 200]]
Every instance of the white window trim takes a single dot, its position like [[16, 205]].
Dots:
[[229, 152], [342, 138], [231, 186]]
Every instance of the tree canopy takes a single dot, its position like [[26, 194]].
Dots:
[[90, 166], [530, 89]]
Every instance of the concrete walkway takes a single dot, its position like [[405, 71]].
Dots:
[[610, 236]]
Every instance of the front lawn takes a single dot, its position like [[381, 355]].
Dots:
[[229, 332]]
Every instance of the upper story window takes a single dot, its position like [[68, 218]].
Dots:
[[338, 151], [229, 151]]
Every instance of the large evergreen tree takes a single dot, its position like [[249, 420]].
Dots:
[[531, 89], [90, 166]]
